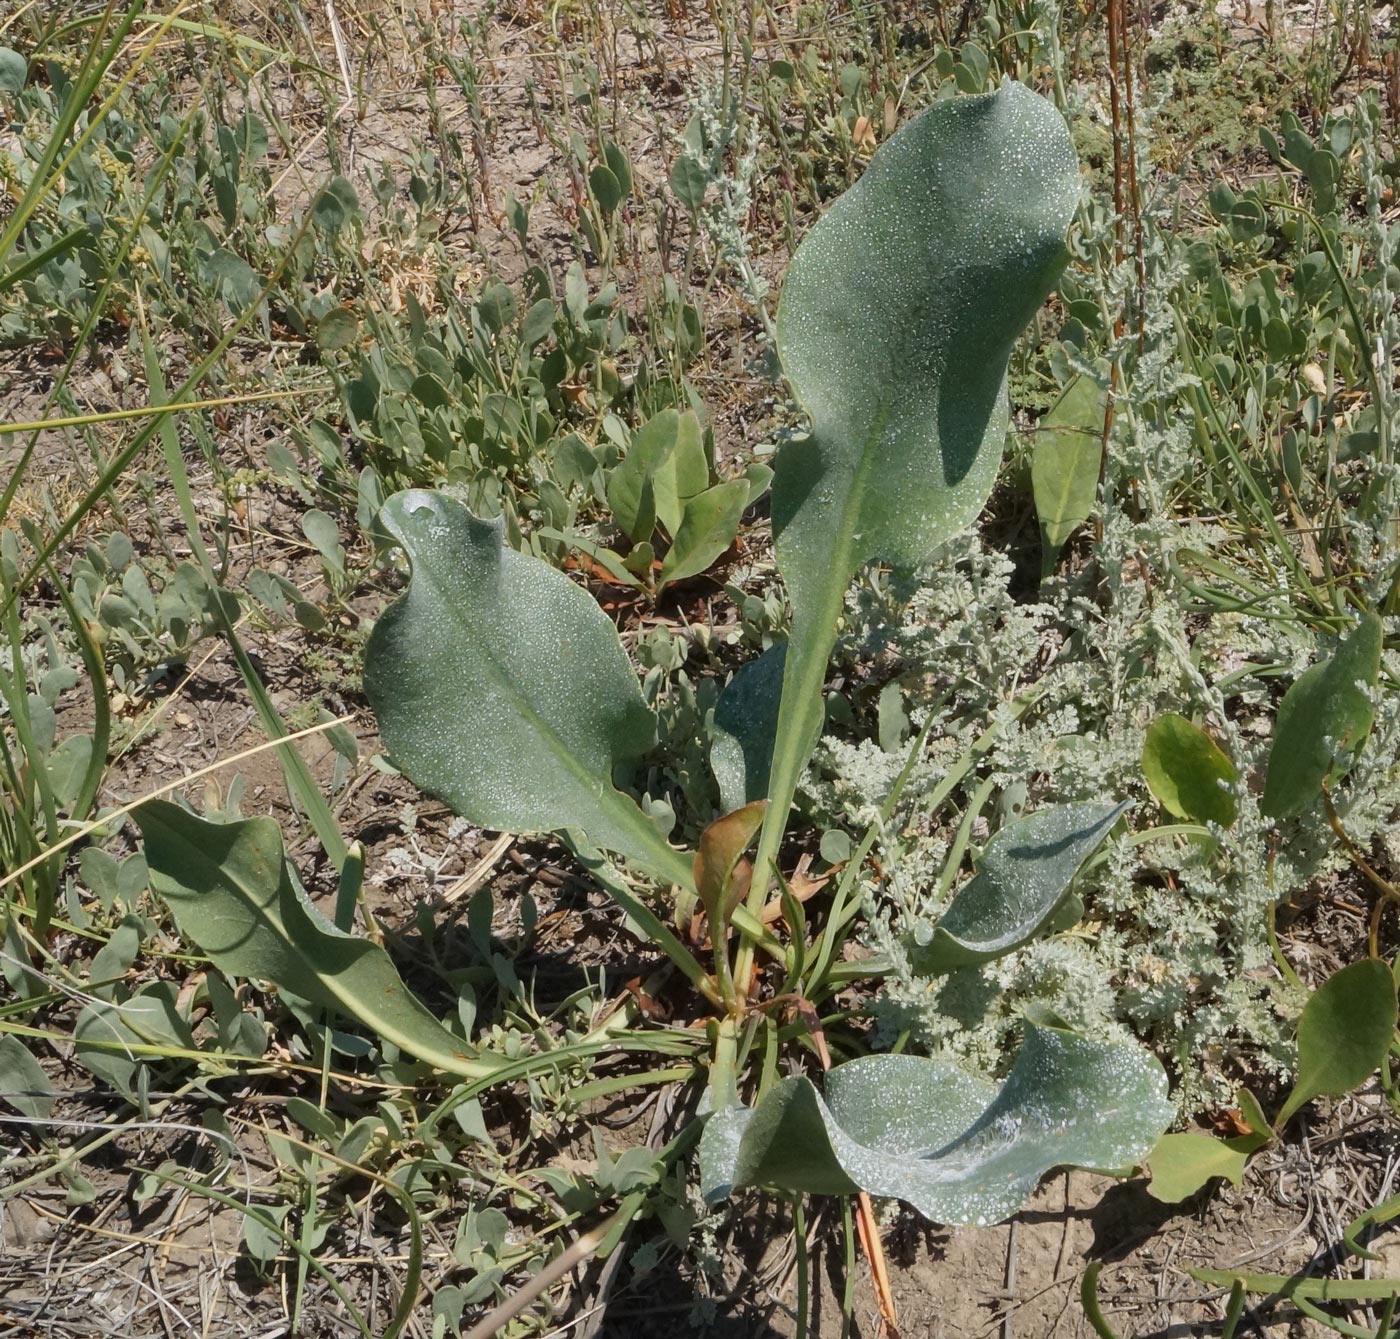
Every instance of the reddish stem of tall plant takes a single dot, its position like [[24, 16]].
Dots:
[[1127, 198]]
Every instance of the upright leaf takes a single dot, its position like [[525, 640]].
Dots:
[[1323, 721], [1187, 771], [895, 326], [14, 70], [1065, 465], [618, 165], [684, 474], [688, 182], [745, 724], [502, 688], [1344, 1033], [708, 527], [230, 891], [722, 846], [631, 486], [23, 1083], [607, 189]]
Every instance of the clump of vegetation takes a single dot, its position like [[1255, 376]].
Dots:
[[899, 824]]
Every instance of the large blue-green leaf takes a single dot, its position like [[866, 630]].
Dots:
[[231, 892], [502, 688], [1023, 877], [897, 319], [959, 1149]]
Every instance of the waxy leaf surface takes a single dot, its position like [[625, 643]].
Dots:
[[745, 725], [1022, 878], [231, 892], [502, 688], [957, 1148], [896, 322]]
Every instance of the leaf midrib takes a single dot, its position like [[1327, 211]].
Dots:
[[805, 672], [445, 1056], [270, 914], [625, 811]]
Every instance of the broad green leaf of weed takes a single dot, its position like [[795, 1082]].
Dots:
[[538, 322], [335, 206], [23, 1083], [232, 278], [606, 188], [631, 486], [835, 846], [640, 561], [324, 536], [496, 306], [114, 959], [1344, 1033], [707, 529], [107, 1036], [688, 182], [337, 329], [1187, 771], [14, 70], [1323, 721], [259, 1240], [892, 721], [449, 1301], [683, 475], [618, 165], [1065, 466], [67, 766], [518, 215], [1183, 1163]]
